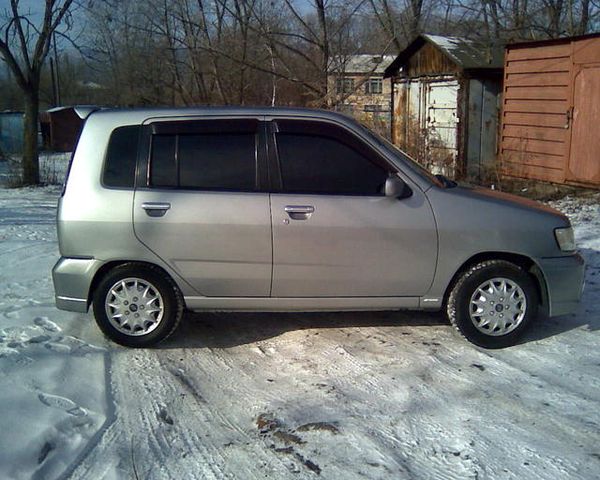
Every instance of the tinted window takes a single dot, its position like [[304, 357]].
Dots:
[[217, 161], [163, 170], [207, 161], [119, 167], [318, 164]]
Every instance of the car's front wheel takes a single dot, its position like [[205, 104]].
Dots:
[[492, 303], [136, 305]]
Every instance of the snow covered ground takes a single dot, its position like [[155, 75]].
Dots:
[[53, 168], [335, 396]]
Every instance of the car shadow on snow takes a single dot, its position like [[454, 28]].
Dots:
[[223, 330]]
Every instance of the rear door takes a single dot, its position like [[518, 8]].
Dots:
[[200, 204], [334, 232]]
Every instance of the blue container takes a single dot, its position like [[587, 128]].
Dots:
[[11, 132]]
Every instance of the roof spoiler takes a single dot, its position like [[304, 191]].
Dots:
[[84, 111]]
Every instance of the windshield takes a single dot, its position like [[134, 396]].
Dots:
[[395, 151]]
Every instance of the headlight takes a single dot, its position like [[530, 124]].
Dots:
[[565, 239]]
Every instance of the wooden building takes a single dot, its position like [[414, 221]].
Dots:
[[551, 111], [445, 103], [61, 127]]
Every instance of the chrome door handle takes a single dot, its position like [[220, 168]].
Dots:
[[156, 209], [299, 212]]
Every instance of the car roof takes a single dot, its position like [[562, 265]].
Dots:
[[140, 114]]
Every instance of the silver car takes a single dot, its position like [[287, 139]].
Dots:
[[273, 209]]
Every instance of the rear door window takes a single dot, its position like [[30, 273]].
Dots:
[[217, 161], [207, 160]]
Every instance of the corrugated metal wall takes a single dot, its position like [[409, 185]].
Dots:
[[551, 111]]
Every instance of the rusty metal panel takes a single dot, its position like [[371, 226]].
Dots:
[[401, 117], [586, 51], [539, 52], [584, 161], [553, 147], [551, 111], [534, 120], [536, 106], [539, 65], [534, 143], [535, 133], [529, 79], [521, 170], [398, 115], [560, 92]]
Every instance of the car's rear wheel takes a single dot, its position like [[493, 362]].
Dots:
[[136, 305], [492, 303]]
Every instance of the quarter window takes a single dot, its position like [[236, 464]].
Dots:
[[313, 163], [121, 157]]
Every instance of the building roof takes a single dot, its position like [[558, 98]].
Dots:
[[551, 41], [467, 54], [59, 109], [363, 63]]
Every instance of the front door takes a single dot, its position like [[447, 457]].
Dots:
[[334, 232], [201, 208]]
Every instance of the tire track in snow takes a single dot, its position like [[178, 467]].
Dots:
[[223, 406], [513, 416], [177, 432]]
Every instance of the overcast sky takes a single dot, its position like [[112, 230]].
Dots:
[[34, 10]]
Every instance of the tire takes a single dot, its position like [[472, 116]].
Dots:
[[492, 303], [137, 305]]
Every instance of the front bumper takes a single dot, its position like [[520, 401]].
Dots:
[[564, 277], [72, 278]]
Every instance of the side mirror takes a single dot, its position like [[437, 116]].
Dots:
[[395, 187]]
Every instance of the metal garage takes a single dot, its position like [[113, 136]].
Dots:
[[551, 111]]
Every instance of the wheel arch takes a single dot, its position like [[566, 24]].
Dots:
[[523, 261], [108, 266]]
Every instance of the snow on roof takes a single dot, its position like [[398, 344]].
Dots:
[[58, 109], [363, 63], [466, 53]]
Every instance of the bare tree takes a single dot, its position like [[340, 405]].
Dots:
[[284, 51], [402, 20], [24, 47], [523, 19]]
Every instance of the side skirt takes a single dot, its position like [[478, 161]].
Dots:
[[315, 304]]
